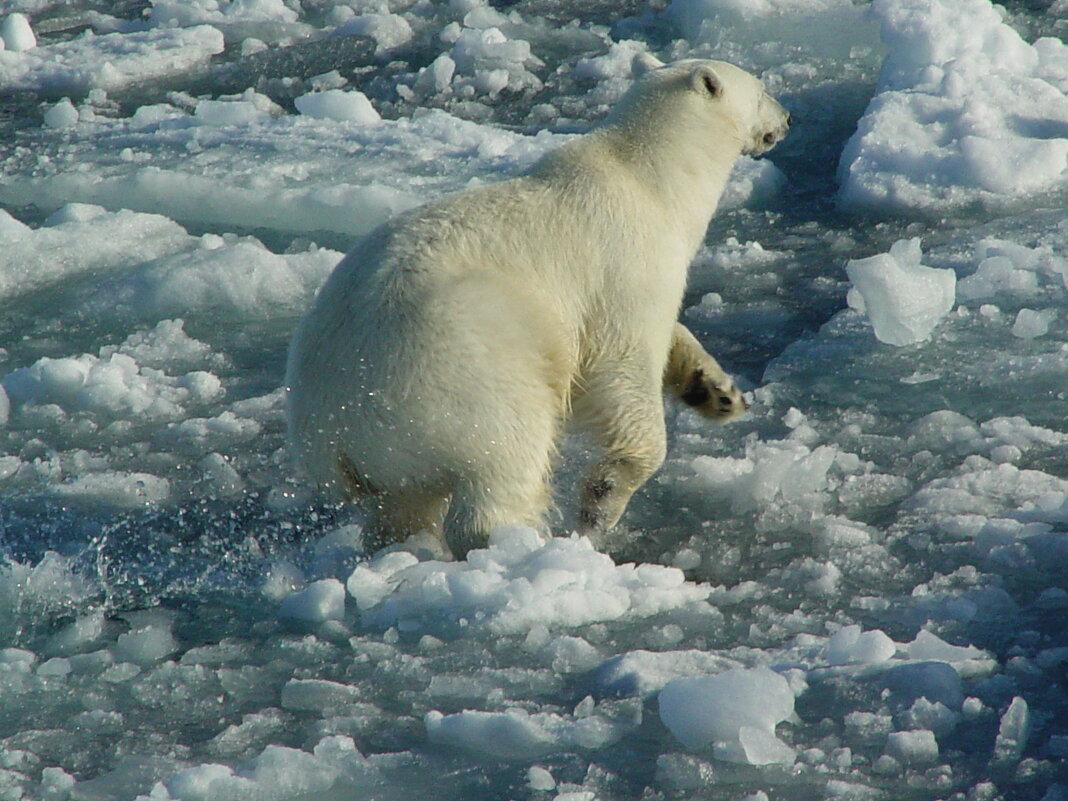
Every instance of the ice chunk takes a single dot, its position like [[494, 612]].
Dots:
[[917, 747], [487, 60], [736, 710], [436, 78], [17, 658], [145, 644], [785, 470], [935, 681], [997, 274], [933, 715], [571, 654], [931, 646], [77, 635], [339, 105], [219, 474], [517, 734], [318, 695], [514, 734], [17, 34], [181, 13], [388, 30], [321, 600], [1013, 730], [645, 673], [904, 299], [540, 780], [850, 645], [277, 774], [1030, 324], [115, 488], [943, 428], [61, 115], [618, 62], [230, 112], [242, 279], [196, 783]]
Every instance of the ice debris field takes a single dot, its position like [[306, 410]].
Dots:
[[857, 591]]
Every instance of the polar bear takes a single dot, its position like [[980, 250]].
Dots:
[[432, 375]]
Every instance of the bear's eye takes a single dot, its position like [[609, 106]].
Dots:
[[769, 138]]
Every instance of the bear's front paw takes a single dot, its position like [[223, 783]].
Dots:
[[718, 400]]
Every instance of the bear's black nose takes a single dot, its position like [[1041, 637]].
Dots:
[[789, 118]]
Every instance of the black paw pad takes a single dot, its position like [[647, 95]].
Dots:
[[696, 392]]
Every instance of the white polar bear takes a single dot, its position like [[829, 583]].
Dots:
[[431, 377]]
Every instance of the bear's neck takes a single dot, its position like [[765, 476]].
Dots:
[[685, 170]]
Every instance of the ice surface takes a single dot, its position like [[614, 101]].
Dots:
[[966, 111], [903, 298], [880, 538]]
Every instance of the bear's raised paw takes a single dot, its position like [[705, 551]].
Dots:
[[718, 401]]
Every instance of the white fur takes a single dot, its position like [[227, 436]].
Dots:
[[442, 355]]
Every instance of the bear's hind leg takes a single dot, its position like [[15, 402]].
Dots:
[[628, 423], [399, 515], [512, 492]]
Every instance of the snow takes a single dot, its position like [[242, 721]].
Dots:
[[854, 591]]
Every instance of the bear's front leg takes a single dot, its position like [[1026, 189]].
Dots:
[[627, 421], [696, 378]]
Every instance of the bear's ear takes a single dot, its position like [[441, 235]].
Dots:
[[706, 80], [643, 63]]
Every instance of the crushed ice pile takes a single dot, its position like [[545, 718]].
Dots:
[[966, 111], [855, 591]]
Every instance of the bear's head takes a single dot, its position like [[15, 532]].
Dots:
[[704, 93]]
